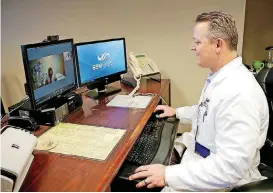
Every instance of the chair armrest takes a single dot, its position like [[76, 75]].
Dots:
[[266, 153], [258, 186], [182, 147], [269, 143], [178, 151]]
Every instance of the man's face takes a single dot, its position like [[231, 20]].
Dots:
[[204, 48]]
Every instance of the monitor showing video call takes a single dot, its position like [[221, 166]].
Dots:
[[50, 68]]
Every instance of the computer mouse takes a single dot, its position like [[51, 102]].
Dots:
[[158, 112]]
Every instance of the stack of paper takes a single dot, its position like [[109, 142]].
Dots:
[[130, 102]]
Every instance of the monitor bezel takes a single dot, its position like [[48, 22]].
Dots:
[[29, 84], [115, 76]]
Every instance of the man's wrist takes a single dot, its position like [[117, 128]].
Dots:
[[165, 179], [176, 113]]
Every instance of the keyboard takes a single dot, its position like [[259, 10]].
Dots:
[[147, 145], [154, 145]]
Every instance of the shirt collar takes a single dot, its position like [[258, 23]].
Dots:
[[223, 72]]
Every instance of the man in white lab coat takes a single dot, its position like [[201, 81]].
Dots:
[[229, 123]]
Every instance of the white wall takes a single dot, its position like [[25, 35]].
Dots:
[[160, 28]]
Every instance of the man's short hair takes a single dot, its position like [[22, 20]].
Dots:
[[221, 25]]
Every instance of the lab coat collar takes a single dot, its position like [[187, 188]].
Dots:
[[226, 70]]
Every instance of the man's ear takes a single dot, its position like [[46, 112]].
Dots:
[[219, 45]]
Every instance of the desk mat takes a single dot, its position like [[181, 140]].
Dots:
[[81, 140]]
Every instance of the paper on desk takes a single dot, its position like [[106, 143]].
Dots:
[[81, 140], [130, 102]]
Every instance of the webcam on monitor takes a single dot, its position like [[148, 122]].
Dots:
[[51, 38]]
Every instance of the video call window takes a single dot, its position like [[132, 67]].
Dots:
[[48, 69]]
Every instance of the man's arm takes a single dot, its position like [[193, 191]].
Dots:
[[186, 114], [238, 128]]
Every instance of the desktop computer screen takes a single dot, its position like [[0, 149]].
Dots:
[[100, 63], [49, 69]]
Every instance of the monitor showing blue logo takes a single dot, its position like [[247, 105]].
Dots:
[[101, 59]]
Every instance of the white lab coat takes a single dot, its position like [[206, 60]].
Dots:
[[234, 130]]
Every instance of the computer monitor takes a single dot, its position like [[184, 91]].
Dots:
[[50, 70], [100, 63]]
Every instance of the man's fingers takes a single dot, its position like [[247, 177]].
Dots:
[[151, 185], [143, 183], [162, 115], [142, 168], [138, 175], [159, 107]]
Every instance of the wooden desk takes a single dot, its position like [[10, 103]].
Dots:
[[60, 173]]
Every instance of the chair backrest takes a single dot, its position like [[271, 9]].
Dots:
[[265, 79]]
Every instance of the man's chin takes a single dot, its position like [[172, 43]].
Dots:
[[201, 65], [198, 63]]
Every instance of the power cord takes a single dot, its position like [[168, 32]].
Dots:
[[133, 93], [137, 86]]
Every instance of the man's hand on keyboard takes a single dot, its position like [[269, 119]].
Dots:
[[168, 111], [154, 175]]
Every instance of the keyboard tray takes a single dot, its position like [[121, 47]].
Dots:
[[163, 153]]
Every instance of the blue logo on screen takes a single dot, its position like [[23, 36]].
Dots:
[[105, 61], [102, 57]]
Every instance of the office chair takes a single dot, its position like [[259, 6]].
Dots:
[[265, 79]]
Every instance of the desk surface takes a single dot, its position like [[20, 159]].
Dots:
[[56, 172]]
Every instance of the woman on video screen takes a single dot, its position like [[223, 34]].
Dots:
[[50, 77]]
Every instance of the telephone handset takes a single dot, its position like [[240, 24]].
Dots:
[[141, 65]]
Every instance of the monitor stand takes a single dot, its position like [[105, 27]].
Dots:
[[102, 92]]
